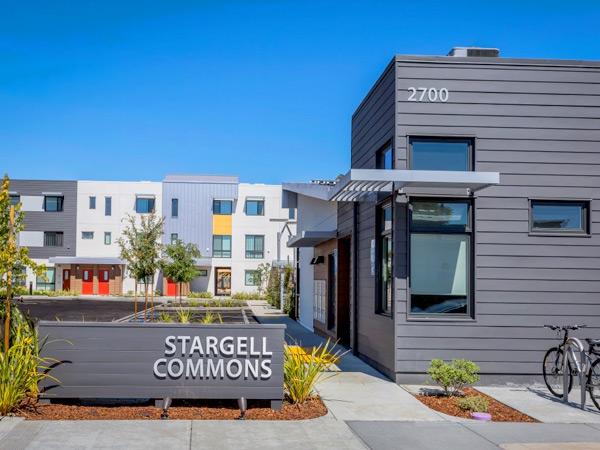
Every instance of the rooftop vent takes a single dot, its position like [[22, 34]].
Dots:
[[475, 52]]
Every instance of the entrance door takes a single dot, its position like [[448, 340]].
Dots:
[[331, 292], [66, 280], [343, 292], [103, 288], [223, 281], [87, 282], [171, 288]]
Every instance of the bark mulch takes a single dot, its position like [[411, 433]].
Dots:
[[449, 405], [183, 410]]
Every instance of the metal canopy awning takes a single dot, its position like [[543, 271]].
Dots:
[[311, 238], [85, 260], [359, 183]]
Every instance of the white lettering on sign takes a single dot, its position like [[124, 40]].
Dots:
[[420, 94], [200, 361]]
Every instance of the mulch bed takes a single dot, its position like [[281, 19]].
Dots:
[[183, 410], [449, 405]]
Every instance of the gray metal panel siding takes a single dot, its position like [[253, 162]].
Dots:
[[65, 220], [372, 126], [195, 220], [537, 126]]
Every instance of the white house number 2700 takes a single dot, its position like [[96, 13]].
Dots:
[[423, 94]]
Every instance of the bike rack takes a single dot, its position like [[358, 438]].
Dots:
[[575, 348]]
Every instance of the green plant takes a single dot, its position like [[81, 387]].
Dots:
[[217, 303], [477, 403], [204, 294], [180, 264], [194, 303], [247, 296], [229, 302], [210, 317], [302, 371], [165, 317], [206, 303], [452, 377], [158, 292], [184, 315]]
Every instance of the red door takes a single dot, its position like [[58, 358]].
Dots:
[[103, 281], [87, 282], [66, 280], [171, 288]]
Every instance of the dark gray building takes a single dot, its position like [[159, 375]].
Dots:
[[472, 213]]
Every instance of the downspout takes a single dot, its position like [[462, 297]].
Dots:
[[355, 278]]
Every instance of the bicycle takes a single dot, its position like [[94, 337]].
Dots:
[[554, 363]]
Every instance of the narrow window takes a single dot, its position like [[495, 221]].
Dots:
[[53, 203], [255, 246], [174, 238], [144, 205], [87, 235], [15, 200], [174, 207], [441, 154], [107, 238], [251, 277], [292, 213], [222, 207], [385, 158], [53, 238], [92, 202], [385, 250], [255, 207], [107, 206], [221, 246], [440, 258], [553, 216]]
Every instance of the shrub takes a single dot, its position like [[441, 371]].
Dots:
[[210, 317], [302, 371], [15, 291], [230, 303], [206, 303], [158, 292], [247, 296], [194, 303], [204, 294], [477, 403], [165, 317], [454, 376], [184, 315]]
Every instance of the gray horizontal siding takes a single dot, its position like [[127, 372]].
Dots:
[[65, 220]]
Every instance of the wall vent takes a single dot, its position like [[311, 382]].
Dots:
[[480, 52]]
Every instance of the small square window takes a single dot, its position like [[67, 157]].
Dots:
[[174, 238], [144, 205], [255, 207], [222, 207], [92, 202], [53, 238], [555, 216], [251, 277], [202, 273], [15, 200], [87, 235], [107, 238], [53, 203]]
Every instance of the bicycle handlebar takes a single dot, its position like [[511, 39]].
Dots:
[[564, 327]]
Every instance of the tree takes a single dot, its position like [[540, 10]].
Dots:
[[181, 265], [11, 255], [141, 249]]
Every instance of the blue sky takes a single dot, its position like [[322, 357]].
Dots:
[[125, 90]]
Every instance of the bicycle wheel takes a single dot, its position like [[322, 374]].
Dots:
[[553, 372], [593, 382]]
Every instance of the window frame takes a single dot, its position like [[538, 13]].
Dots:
[[262, 252], [471, 140], [56, 233], [257, 201], [380, 156], [148, 199], [202, 272], [89, 233], [60, 203], [215, 236], [255, 276], [174, 208], [44, 283], [382, 234], [108, 206], [174, 238], [12, 197], [218, 202], [109, 235], [469, 230], [586, 219], [92, 202]]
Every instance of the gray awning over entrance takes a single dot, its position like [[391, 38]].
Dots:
[[311, 238], [359, 183], [85, 260]]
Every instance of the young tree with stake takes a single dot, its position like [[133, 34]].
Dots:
[[180, 265]]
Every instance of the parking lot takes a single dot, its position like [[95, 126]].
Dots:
[[77, 309]]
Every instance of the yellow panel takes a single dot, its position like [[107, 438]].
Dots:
[[222, 224]]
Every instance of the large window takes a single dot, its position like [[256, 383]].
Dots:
[[386, 255], [559, 216], [251, 277], [440, 257], [221, 246], [174, 207], [53, 203], [107, 206], [255, 207], [144, 205], [46, 282], [441, 154], [255, 247], [53, 238], [222, 207]]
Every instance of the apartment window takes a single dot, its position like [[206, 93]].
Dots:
[[202, 273], [441, 154], [87, 235], [251, 277], [53, 203], [221, 246], [144, 205], [385, 158], [255, 247], [385, 250], [19, 276], [553, 216], [222, 207], [53, 238], [92, 202], [107, 206], [46, 282], [255, 207], [107, 238], [174, 207], [292, 213], [174, 238], [440, 258], [15, 200]]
